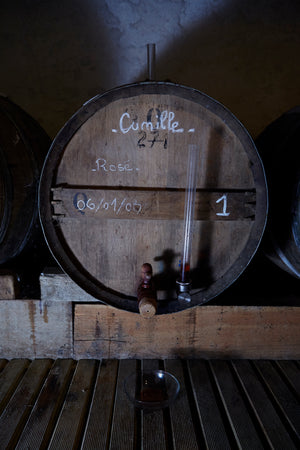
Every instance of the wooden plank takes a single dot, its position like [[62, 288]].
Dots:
[[222, 404], [212, 432], [273, 430], [9, 379], [290, 372], [21, 403], [39, 427], [236, 410], [97, 433], [237, 332], [151, 204], [153, 430], [123, 427], [57, 286], [181, 414], [71, 422], [36, 329], [286, 403], [9, 287]]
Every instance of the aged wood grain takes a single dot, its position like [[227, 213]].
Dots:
[[9, 287], [21, 403], [71, 421], [207, 331], [271, 428], [42, 420], [123, 421], [237, 413], [9, 379], [287, 405], [98, 429], [151, 204], [153, 426], [183, 419], [222, 404], [213, 430], [34, 328]]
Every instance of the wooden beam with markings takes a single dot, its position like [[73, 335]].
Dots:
[[204, 331], [150, 204]]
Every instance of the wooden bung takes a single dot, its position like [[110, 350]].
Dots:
[[147, 307], [112, 194]]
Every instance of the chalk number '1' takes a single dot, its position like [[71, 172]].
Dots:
[[224, 200]]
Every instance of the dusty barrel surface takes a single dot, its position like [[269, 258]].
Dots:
[[23, 147], [112, 194], [279, 146]]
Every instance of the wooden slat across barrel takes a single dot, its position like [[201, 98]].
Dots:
[[279, 146], [23, 147], [113, 187]]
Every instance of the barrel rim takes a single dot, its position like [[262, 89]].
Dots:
[[60, 142], [7, 191], [34, 140], [278, 144]]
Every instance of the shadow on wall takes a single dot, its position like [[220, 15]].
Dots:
[[57, 55], [244, 55]]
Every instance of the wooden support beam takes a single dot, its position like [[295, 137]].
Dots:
[[35, 329], [235, 332], [9, 286]]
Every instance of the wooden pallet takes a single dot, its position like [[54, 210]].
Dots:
[[61, 404]]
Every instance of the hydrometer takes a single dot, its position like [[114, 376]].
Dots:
[[184, 281]]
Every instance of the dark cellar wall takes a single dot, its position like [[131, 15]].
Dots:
[[55, 55]]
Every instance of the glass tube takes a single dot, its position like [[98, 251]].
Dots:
[[189, 211]]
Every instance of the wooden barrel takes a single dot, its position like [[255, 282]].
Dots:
[[112, 194], [23, 147], [279, 146]]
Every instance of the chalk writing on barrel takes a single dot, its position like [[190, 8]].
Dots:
[[161, 120], [224, 212], [102, 165], [82, 203]]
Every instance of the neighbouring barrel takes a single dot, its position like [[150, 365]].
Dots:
[[23, 147], [279, 146], [112, 194]]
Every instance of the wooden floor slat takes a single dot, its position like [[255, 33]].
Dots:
[[123, 422], [39, 427], [181, 412], [275, 433], [222, 404], [21, 403], [286, 403], [238, 415], [9, 379], [152, 421], [211, 416], [97, 432], [71, 422], [290, 371]]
